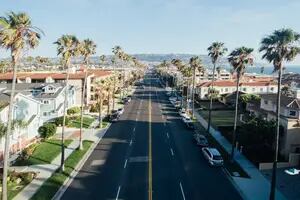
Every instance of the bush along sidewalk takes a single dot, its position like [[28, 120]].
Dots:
[[52, 185]]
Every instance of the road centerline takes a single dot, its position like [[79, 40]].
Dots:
[[182, 192], [119, 188]]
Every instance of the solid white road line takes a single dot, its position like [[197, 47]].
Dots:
[[130, 142], [118, 193], [182, 192], [172, 152], [125, 164], [168, 135], [134, 129]]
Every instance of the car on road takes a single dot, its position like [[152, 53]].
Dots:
[[182, 112], [292, 171], [213, 156], [121, 111], [186, 119], [200, 140], [190, 125], [114, 117]]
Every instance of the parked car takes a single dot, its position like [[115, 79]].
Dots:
[[114, 117], [292, 171], [190, 125], [182, 112], [186, 119], [200, 140], [213, 156], [121, 111]]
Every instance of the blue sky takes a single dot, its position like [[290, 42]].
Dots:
[[157, 26]]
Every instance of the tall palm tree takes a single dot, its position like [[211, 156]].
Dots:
[[118, 54], [16, 34], [239, 59], [67, 47], [100, 92], [279, 47], [102, 59], [187, 73], [86, 48], [215, 51], [196, 65]]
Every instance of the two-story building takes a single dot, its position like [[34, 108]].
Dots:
[[50, 95], [27, 110], [289, 119], [229, 86]]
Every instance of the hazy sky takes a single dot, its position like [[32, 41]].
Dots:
[[157, 26]]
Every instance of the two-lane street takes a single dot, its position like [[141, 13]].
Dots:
[[149, 154]]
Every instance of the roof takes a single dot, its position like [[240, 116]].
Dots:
[[285, 101], [27, 88], [230, 83], [54, 75]]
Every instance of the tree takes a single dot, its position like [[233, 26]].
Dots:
[[47, 130], [239, 59], [102, 59], [215, 51], [187, 73], [279, 47], [196, 65], [16, 34], [3, 66], [67, 47], [286, 91], [87, 48], [100, 92]]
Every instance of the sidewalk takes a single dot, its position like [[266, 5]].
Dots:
[[45, 171], [255, 187]]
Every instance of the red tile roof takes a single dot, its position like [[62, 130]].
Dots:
[[233, 83], [54, 75]]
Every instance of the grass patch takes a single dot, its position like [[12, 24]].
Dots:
[[18, 181], [75, 123], [220, 117], [51, 186], [43, 153], [231, 167]]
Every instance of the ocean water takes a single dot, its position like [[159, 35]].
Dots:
[[269, 70]]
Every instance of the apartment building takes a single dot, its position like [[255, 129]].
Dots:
[[229, 86], [76, 79]]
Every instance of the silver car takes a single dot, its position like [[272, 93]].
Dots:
[[213, 156]]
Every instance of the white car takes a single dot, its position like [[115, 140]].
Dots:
[[292, 171], [182, 113], [120, 111], [187, 119], [213, 156]]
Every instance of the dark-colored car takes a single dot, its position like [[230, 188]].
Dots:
[[114, 117]]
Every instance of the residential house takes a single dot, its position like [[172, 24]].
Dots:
[[289, 119], [50, 95], [25, 109]]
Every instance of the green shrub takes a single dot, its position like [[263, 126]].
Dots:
[[47, 130], [73, 111], [59, 121]]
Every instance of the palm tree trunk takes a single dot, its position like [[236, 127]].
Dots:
[[187, 96], [62, 162], [9, 130], [235, 117], [193, 92], [108, 103], [100, 112], [83, 99], [211, 99], [274, 174]]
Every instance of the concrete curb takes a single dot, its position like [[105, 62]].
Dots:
[[69, 180]]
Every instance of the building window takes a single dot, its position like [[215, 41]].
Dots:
[[253, 89], [266, 102], [292, 113], [244, 89], [272, 88], [261, 89], [46, 102]]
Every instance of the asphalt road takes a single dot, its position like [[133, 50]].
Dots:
[[149, 154]]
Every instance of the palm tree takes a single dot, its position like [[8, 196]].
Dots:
[[187, 73], [239, 59], [196, 65], [102, 59], [87, 48], [279, 47], [67, 47], [3, 66], [218, 70], [215, 51], [118, 52], [100, 92], [16, 34]]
